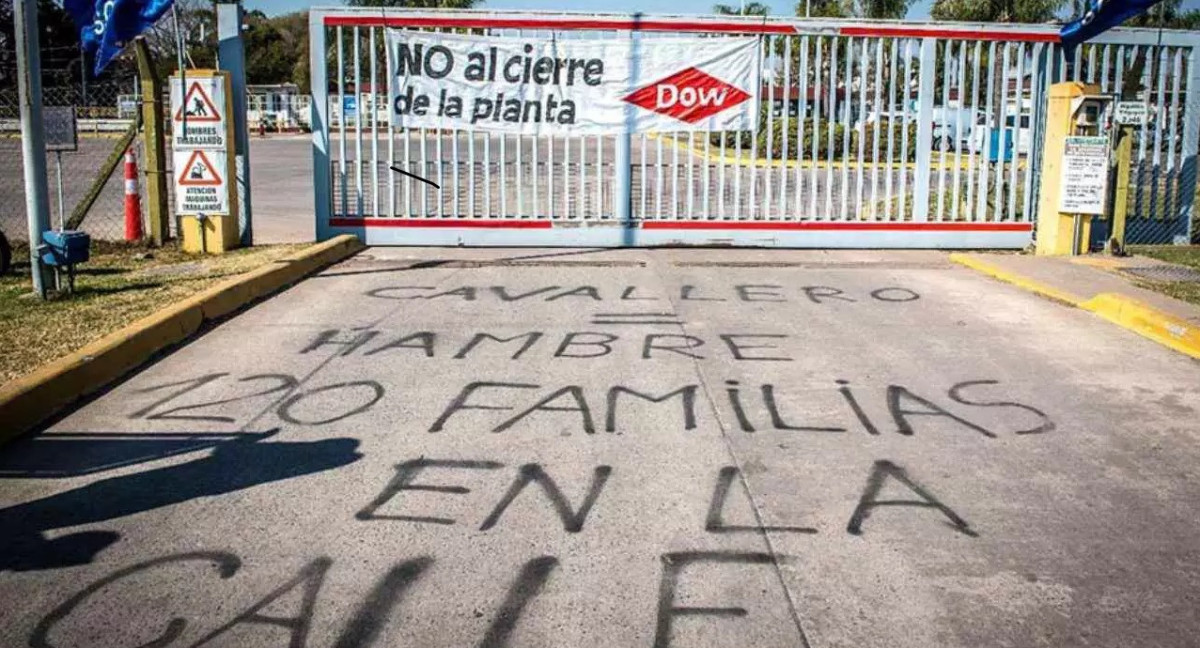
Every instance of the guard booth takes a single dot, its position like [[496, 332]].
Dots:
[[852, 134]]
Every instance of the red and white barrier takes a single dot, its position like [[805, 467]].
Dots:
[[133, 202]]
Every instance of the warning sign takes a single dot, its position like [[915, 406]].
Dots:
[[200, 183], [198, 116], [1084, 180]]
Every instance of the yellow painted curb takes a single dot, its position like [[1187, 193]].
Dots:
[[1147, 321], [1126, 312], [33, 398], [1037, 287]]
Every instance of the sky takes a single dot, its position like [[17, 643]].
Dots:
[[919, 10]]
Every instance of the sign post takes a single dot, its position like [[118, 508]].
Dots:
[[60, 136], [203, 155]]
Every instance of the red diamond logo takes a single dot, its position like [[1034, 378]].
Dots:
[[688, 95]]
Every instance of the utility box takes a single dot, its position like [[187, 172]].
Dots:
[[65, 247], [1075, 168]]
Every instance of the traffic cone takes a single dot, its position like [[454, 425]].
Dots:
[[133, 203]]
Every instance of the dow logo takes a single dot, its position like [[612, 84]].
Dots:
[[688, 95]]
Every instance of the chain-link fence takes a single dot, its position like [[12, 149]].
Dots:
[[104, 112]]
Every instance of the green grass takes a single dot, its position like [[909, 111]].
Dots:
[[1185, 255], [120, 284]]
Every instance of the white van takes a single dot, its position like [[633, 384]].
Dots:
[[1023, 128]]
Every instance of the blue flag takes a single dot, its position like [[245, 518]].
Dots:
[[107, 26], [1101, 16]]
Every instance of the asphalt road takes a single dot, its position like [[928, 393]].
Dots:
[[622, 448]]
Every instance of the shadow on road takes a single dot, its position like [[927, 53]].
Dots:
[[232, 465]]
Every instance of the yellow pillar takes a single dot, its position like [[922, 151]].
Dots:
[[218, 235], [1056, 230], [1120, 206]]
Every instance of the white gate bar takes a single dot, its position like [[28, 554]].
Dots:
[[786, 104], [928, 54], [892, 166], [851, 122], [905, 94], [1016, 145], [1002, 138], [374, 127], [847, 127], [342, 123], [944, 132], [1037, 97], [819, 97], [391, 130], [358, 111], [877, 109], [959, 84]]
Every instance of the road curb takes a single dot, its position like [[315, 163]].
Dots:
[[1034, 286], [31, 399], [1124, 311], [1147, 321]]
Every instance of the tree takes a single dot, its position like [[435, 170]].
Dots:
[[1001, 11], [873, 9], [58, 39], [749, 9]]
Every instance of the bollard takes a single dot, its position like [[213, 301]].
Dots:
[[133, 202]]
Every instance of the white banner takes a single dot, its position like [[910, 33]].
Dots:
[[536, 86]]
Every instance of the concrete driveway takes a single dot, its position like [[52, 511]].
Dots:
[[622, 448]]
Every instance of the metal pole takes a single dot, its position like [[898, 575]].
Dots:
[[58, 169], [182, 72], [231, 57], [83, 75], [622, 155], [33, 144]]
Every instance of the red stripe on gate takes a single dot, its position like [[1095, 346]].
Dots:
[[926, 32], [440, 222], [693, 225], [567, 23], [835, 226]]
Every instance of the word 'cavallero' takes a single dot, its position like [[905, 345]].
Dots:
[[741, 292]]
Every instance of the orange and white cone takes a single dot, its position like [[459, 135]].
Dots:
[[133, 202]]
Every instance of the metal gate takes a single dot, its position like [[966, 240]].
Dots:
[[871, 134]]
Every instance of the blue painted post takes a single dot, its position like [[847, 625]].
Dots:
[[231, 57]]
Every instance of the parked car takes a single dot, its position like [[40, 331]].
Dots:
[[1022, 128]]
